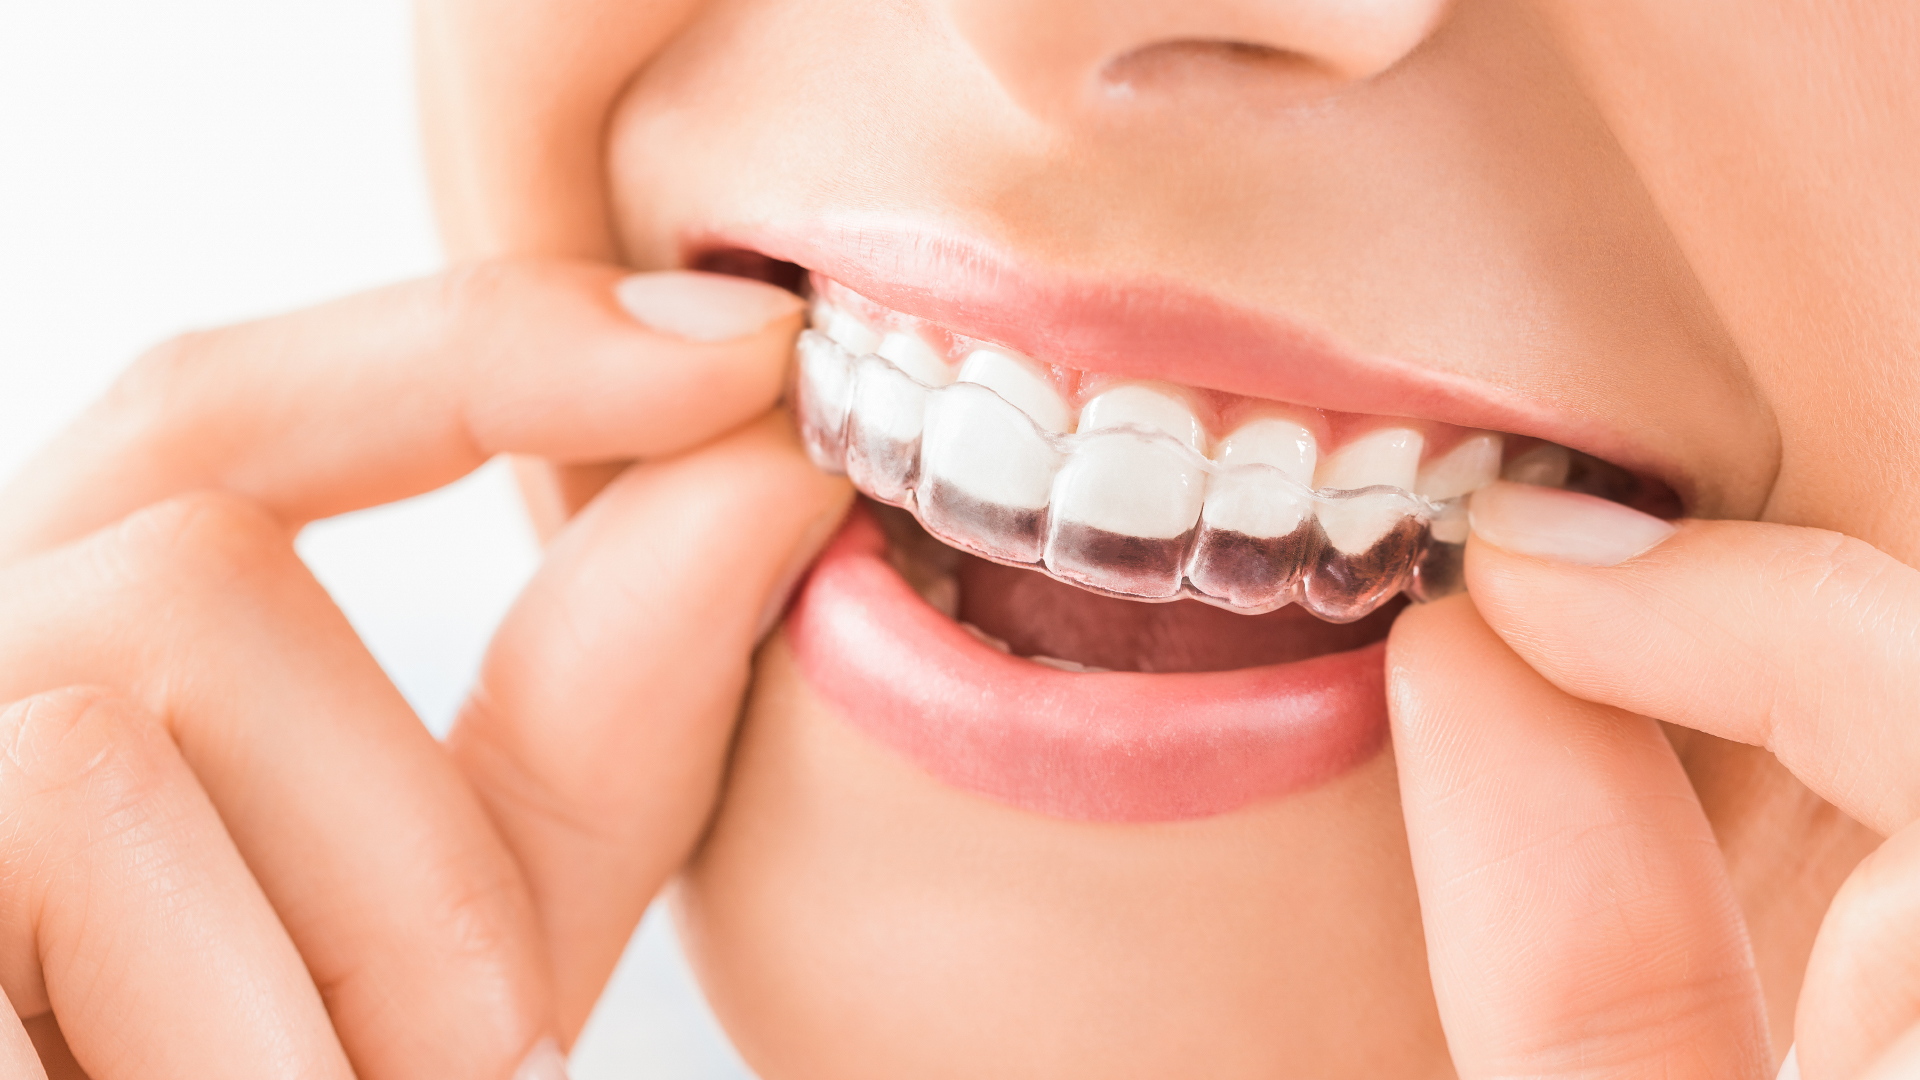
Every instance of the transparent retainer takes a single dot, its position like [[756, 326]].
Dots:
[[1247, 538]]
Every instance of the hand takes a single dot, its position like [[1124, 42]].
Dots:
[[230, 847], [1580, 920]]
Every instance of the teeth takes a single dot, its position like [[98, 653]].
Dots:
[[848, 331], [884, 431], [1372, 539], [1053, 662], [1280, 443], [986, 639], [910, 353], [824, 392], [1472, 464], [986, 474], [1545, 465], [1074, 666], [1255, 532], [1147, 407], [1022, 383], [1387, 457], [1248, 500], [1132, 494], [1123, 506]]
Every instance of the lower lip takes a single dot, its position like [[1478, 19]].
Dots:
[[1113, 747]]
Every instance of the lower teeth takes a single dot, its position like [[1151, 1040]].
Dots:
[[1338, 554]]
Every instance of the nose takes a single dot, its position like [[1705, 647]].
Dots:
[[1052, 55]]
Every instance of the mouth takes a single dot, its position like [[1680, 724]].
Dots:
[[1083, 588]]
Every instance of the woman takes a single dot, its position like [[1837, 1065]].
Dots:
[[1674, 239]]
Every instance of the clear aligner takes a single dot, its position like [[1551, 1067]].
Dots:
[[1130, 505]]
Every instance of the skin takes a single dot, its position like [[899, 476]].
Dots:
[[1583, 858], [205, 762], [1506, 191]]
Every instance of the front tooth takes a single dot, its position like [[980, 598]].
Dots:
[[883, 431], [1144, 405], [1389, 456], [1255, 530], [1273, 441], [1248, 501], [1545, 465], [1021, 382], [986, 472], [1372, 539], [823, 396], [910, 353], [1469, 466], [853, 335], [1124, 506]]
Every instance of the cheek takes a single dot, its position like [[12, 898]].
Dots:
[[851, 917]]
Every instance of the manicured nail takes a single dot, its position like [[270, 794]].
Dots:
[[1790, 1068], [543, 1062], [703, 307], [1562, 525]]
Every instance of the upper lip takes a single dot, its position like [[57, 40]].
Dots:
[[1155, 328]]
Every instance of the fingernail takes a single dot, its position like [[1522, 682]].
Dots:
[[1562, 525], [1790, 1068], [543, 1062], [703, 307]]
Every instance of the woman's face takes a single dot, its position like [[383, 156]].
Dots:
[[1672, 237]]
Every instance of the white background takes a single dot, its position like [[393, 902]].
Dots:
[[167, 165]]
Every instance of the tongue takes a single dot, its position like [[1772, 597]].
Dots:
[[1037, 616]]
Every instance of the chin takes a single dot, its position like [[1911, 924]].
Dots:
[[852, 914]]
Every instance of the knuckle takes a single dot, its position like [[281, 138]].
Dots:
[[201, 541], [1840, 572], [82, 742], [476, 289], [153, 385], [482, 906]]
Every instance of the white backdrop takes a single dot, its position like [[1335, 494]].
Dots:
[[166, 165]]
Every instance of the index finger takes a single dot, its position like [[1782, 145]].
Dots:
[[397, 391], [1799, 640]]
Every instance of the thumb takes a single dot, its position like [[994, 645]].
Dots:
[[1578, 915], [598, 732]]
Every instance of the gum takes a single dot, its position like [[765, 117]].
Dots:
[[866, 418]]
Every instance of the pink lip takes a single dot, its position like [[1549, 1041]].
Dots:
[[1157, 329], [1107, 747]]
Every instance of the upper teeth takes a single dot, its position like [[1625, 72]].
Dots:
[[1131, 493]]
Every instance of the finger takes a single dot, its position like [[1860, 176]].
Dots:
[[1901, 1061], [400, 390], [598, 730], [1578, 916], [129, 913], [1801, 641], [1862, 985], [18, 1058], [407, 908]]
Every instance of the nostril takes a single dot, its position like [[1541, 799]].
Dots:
[[1048, 55], [1180, 67]]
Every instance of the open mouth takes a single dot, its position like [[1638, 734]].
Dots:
[[1117, 598], [1148, 490]]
